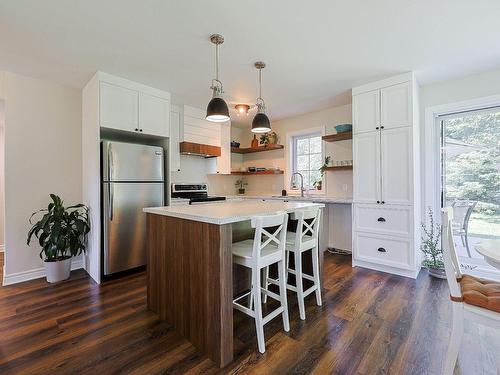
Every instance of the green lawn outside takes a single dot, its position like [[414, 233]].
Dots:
[[484, 225]]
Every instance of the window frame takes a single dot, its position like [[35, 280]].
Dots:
[[294, 138]]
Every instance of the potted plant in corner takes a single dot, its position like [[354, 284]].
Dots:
[[239, 184], [62, 234], [431, 247], [325, 165]]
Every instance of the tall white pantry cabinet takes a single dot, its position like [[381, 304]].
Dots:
[[131, 109], [386, 176]]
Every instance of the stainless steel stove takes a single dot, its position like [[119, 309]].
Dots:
[[196, 193]]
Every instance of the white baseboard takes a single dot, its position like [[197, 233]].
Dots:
[[383, 268], [37, 273]]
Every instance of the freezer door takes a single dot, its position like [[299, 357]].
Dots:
[[125, 224], [125, 162]]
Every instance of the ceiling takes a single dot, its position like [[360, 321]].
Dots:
[[315, 50]]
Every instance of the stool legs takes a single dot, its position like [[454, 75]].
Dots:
[[300, 285], [259, 324], [315, 265], [282, 286], [266, 283]]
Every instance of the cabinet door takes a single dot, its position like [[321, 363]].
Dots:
[[224, 160], [396, 167], [118, 107], [396, 106], [175, 156], [366, 111], [366, 169], [382, 249], [154, 115]]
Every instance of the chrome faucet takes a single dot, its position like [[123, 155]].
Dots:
[[301, 182]]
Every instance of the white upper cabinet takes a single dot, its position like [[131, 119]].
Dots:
[[366, 111], [397, 166], [132, 107], [386, 176], [224, 160], [154, 115], [119, 107], [175, 132], [396, 106], [366, 151]]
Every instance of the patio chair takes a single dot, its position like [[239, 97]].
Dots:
[[462, 210]]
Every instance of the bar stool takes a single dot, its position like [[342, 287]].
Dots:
[[305, 238], [264, 250]]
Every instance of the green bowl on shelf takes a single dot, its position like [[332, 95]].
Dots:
[[342, 128]]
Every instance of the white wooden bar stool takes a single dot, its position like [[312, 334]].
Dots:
[[305, 238], [264, 250], [475, 299]]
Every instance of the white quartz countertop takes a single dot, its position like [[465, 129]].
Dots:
[[228, 212], [295, 198]]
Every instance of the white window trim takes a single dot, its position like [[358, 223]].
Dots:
[[289, 156], [431, 176]]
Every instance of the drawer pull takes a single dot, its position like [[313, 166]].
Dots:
[[382, 250], [381, 219]]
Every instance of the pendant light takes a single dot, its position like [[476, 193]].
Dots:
[[217, 110], [260, 123]]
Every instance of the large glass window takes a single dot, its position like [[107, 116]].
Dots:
[[307, 158], [471, 177]]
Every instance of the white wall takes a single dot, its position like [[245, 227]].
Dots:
[[338, 184], [2, 175], [42, 156]]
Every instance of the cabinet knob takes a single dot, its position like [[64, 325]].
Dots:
[[381, 219], [378, 202], [381, 250], [140, 130], [383, 202], [136, 129], [381, 127], [376, 128]]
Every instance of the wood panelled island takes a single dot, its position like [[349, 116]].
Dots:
[[190, 269]]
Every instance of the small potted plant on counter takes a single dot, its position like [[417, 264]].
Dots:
[[239, 184], [318, 184], [62, 234], [431, 247]]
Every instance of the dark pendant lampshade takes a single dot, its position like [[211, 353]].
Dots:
[[261, 123], [217, 110]]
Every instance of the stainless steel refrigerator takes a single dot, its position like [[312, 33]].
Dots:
[[132, 178]]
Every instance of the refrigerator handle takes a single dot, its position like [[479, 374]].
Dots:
[[110, 188]]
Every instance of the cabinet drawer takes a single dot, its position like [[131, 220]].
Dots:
[[389, 251], [389, 220]]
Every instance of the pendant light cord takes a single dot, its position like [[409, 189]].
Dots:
[[217, 62], [260, 84]]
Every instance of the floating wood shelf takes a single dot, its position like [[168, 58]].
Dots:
[[337, 137], [269, 171], [340, 168], [249, 150]]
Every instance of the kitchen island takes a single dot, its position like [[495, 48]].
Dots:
[[190, 269]]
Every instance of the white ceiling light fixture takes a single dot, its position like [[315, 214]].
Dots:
[[260, 123], [217, 110], [242, 109]]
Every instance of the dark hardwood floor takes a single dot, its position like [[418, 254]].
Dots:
[[370, 323]]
